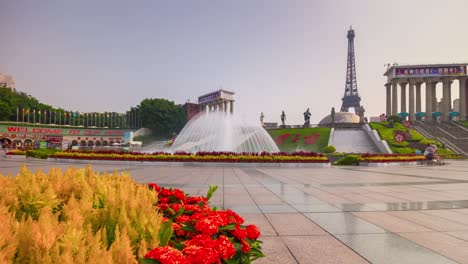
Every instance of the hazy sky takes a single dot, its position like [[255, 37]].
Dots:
[[108, 55]]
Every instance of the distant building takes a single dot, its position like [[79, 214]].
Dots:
[[191, 109], [8, 81]]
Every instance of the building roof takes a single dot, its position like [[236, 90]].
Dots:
[[389, 70]]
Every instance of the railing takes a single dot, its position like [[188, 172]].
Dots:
[[451, 146]]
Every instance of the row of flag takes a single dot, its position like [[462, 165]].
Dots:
[[75, 118]]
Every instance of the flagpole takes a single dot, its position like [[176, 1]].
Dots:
[[22, 113], [17, 115]]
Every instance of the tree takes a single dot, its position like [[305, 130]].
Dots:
[[162, 116]]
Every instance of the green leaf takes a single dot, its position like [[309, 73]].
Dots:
[[179, 213], [228, 227], [211, 190], [188, 227], [231, 261], [165, 233], [149, 261]]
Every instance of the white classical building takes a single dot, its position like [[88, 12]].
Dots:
[[217, 101], [427, 76]]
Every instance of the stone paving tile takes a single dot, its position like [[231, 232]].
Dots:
[[294, 224], [343, 223], [321, 249], [459, 234], [262, 222], [275, 251], [354, 207], [315, 208], [446, 245], [276, 208], [429, 221], [268, 199], [389, 248], [451, 215], [390, 223]]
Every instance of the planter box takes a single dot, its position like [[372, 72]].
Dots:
[[194, 164], [387, 164]]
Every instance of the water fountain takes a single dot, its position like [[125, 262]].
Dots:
[[221, 131]]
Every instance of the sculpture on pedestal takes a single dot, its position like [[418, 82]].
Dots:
[[283, 118], [332, 115], [262, 116], [307, 118]]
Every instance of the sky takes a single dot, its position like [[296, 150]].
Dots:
[[109, 55]]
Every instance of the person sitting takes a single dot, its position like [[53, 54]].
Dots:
[[429, 153]]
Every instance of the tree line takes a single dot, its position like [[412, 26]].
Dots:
[[162, 116]]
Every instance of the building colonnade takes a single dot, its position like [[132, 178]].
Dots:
[[414, 96], [220, 105]]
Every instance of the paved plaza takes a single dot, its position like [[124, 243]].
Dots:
[[414, 214]]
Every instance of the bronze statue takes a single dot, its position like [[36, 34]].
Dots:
[[283, 117], [262, 116], [307, 115], [332, 115]]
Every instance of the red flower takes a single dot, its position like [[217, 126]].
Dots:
[[245, 246], [207, 226], [252, 231], [200, 255], [237, 218], [239, 233], [163, 200], [224, 247], [183, 219], [154, 186], [167, 255], [200, 240]]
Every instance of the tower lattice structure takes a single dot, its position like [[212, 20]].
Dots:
[[351, 97]]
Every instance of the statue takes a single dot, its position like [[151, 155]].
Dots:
[[262, 116], [361, 111], [332, 115], [307, 118], [283, 118]]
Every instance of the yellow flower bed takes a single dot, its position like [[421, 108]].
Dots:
[[76, 216], [192, 157]]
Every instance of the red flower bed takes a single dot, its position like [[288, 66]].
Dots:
[[245, 157], [195, 233]]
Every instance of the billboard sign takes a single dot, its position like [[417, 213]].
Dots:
[[456, 70]]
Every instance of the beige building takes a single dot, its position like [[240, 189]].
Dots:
[[418, 77], [7, 80]]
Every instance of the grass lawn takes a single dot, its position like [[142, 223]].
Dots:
[[300, 139], [463, 123], [414, 142]]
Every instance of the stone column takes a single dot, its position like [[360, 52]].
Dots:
[[225, 106], [394, 98], [434, 96], [388, 104], [403, 97], [412, 117], [428, 100], [418, 97], [221, 104], [446, 99], [462, 98], [232, 106]]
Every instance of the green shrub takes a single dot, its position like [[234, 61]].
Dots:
[[348, 160], [396, 119], [403, 150], [329, 149], [40, 153]]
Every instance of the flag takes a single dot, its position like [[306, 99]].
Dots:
[[27, 111]]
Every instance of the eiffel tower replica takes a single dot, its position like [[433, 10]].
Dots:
[[351, 97]]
